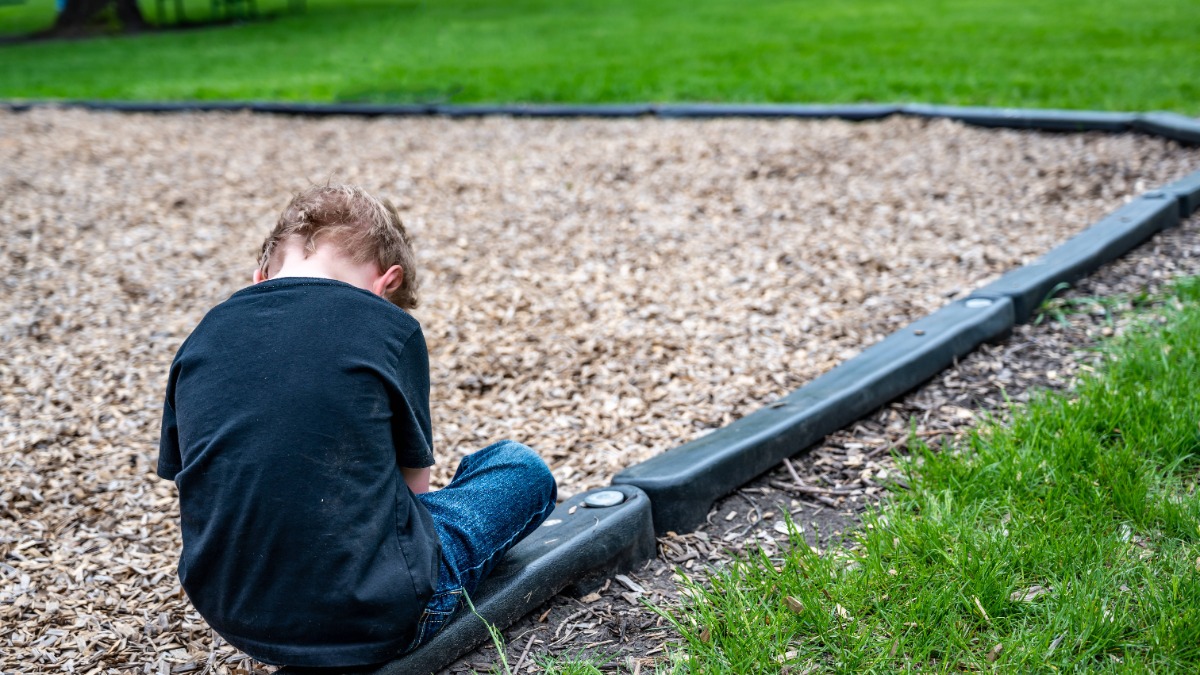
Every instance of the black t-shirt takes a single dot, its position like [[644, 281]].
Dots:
[[289, 412]]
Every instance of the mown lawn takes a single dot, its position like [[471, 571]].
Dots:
[[1066, 539], [1109, 54]]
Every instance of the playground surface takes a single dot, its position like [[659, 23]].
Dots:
[[600, 290], [613, 629]]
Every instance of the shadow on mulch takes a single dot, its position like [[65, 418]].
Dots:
[[826, 488]]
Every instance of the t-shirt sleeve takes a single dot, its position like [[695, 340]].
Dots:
[[169, 460], [412, 429]]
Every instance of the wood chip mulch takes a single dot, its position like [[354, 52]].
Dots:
[[602, 290], [825, 488]]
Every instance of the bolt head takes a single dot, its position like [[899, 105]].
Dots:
[[604, 498]]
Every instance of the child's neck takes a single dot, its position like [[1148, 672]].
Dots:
[[315, 265], [327, 262]]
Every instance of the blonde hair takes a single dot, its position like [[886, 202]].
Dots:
[[362, 226]]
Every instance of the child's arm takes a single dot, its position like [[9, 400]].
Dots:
[[417, 479], [170, 460]]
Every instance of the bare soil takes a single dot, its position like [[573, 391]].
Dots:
[[600, 290]]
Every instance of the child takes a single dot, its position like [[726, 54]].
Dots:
[[296, 427]]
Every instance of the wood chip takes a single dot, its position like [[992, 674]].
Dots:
[[1029, 594], [629, 583], [994, 653]]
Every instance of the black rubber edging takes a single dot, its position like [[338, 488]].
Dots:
[[685, 481], [848, 111], [276, 108], [576, 547], [351, 109], [1170, 125], [1110, 238], [1027, 118], [854, 112], [554, 110], [153, 107], [1165, 124], [682, 483], [1187, 191]]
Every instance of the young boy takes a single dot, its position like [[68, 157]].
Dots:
[[296, 427]]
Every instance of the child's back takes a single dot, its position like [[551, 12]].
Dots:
[[300, 539]]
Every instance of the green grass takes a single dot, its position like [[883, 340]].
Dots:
[[1090, 496], [1109, 54]]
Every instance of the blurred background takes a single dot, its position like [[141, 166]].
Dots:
[[1110, 55]]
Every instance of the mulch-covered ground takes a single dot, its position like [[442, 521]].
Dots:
[[826, 487], [601, 290]]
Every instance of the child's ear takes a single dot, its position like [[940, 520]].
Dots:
[[388, 282], [259, 277]]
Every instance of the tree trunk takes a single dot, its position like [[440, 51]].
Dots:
[[130, 15], [79, 13]]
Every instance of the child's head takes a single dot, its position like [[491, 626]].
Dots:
[[363, 228]]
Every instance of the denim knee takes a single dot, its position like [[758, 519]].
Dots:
[[521, 458]]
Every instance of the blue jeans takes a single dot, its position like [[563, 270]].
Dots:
[[498, 496]]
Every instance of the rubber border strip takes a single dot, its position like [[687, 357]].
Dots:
[[683, 482], [1170, 125], [1187, 191], [577, 546], [850, 111], [1110, 238], [1026, 118], [1165, 124], [558, 110]]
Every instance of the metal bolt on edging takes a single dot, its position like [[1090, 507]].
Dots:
[[604, 498]]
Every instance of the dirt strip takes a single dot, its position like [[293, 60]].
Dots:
[[825, 489]]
